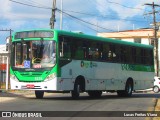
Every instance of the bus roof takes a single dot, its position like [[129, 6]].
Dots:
[[102, 39], [96, 38]]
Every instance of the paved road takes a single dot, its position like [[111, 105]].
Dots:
[[63, 102]]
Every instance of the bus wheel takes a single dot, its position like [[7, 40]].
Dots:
[[76, 92], [95, 94], [156, 89], [128, 90], [39, 94]]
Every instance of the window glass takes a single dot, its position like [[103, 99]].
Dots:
[[123, 54], [34, 54], [64, 48]]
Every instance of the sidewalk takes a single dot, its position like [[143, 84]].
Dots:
[[13, 94]]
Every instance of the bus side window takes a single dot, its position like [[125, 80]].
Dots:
[[94, 51], [138, 54], [105, 50], [151, 62], [79, 54], [65, 51], [133, 55], [112, 56], [143, 56]]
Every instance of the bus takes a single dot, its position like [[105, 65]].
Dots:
[[48, 60]]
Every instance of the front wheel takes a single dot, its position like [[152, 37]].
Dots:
[[39, 94], [156, 89], [76, 92]]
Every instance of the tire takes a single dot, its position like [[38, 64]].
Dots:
[[156, 89], [39, 94], [95, 94], [76, 92], [128, 90]]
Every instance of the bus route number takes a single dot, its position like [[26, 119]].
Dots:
[[38, 78]]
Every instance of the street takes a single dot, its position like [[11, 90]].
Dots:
[[63, 102]]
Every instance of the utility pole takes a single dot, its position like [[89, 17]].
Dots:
[[61, 16], [155, 36], [52, 19]]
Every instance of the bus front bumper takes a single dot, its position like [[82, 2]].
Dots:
[[46, 85]]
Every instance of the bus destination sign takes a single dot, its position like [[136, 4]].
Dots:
[[34, 34]]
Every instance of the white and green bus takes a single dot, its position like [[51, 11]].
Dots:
[[48, 60]]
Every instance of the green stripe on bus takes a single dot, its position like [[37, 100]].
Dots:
[[145, 68]]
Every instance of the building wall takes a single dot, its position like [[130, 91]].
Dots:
[[145, 41], [3, 49], [3, 57], [128, 39]]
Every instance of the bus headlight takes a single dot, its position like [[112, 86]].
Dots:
[[13, 77], [51, 77]]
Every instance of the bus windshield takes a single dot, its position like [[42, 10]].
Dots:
[[34, 54]]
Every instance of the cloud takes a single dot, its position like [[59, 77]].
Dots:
[[108, 15], [5, 8], [14, 11]]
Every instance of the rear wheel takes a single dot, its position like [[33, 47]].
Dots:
[[39, 94], [156, 89], [128, 90], [95, 94]]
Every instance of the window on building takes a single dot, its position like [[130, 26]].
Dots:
[[137, 40]]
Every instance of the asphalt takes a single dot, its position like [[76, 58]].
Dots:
[[6, 96]]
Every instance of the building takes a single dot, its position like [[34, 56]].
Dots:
[[3, 66], [144, 36], [3, 58]]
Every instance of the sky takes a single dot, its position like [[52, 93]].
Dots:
[[87, 16]]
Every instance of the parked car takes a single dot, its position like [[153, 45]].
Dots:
[[156, 86]]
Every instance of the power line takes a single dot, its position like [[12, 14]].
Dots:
[[83, 20], [103, 16], [31, 1], [70, 15], [90, 23], [73, 11], [29, 5], [123, 5], [80, 22]]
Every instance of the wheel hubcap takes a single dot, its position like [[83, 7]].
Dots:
[[156, 89]]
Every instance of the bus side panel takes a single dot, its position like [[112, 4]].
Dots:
[[103, 76]]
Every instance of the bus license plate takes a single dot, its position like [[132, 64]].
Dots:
[[30, 86]]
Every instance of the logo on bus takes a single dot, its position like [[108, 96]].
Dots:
[[128, 67], [88, 64]]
